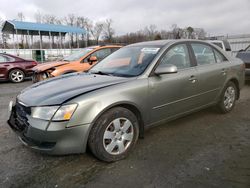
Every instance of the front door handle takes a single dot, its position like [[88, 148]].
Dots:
[[192, 79], [223, 72]]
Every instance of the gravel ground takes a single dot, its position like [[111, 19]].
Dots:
[[205, 149]]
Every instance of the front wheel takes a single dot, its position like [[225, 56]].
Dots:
[[228, 98], [114, 134]]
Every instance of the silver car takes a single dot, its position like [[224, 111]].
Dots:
[[108, 108]]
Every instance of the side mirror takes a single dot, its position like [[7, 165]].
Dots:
[[167, 69], [92, 59]]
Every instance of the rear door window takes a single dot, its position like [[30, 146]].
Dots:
[[203, 53]]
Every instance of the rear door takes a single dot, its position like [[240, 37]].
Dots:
[[173, 94], [3, 66], [212, 69]]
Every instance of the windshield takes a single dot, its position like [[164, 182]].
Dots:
[[78, 55], [127, 62]]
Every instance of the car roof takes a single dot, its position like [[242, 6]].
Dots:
[[161, 43], [221, 41], [105, 46], [3, 53]]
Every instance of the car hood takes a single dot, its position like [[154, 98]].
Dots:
[[45, 66], [60, 89]]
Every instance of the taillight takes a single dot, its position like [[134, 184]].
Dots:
[[34, 63]]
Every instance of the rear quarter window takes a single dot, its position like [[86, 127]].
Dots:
[[219, 57]]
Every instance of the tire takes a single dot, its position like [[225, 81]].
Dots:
[[16, 75], [228, 98], [114, 134]]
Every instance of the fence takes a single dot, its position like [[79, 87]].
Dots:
[[237, 42], [50, 54]]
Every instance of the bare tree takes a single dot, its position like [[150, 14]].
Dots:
[[108, 30], [96, 31], [4, 37], [190, 31], [199, 33], [1, 38], [71, 21], [176, 31], [85, 24], [38, 17], [88, 25], [165, 34], [49, 18], [150, 31], [21, 17]]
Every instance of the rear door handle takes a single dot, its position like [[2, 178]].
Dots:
[[192, 79]]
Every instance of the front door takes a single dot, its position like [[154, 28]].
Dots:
[[173, 94]]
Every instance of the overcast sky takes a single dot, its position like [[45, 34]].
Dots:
[[215, 16]]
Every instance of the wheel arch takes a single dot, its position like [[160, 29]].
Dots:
[[130, 106], [16, 68]]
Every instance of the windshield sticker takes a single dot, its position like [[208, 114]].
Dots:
[[150, 50]]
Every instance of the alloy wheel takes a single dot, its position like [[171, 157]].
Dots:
[[17, 76], [229, 97], [118, 136]]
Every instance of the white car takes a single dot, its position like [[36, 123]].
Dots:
[[223, 44]]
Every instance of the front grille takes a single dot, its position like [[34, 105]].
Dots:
[[20, 116]]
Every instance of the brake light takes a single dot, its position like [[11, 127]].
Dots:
[[34, 63]]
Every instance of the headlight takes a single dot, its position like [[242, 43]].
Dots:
[[65, 112], [58, 113]]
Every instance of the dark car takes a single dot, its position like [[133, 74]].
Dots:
[[14, 68], [244, 55]]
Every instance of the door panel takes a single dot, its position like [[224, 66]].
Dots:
[[211, 73], [3, 66], [172, 94], [211, 79]]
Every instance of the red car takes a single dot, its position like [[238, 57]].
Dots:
[[14, 68]]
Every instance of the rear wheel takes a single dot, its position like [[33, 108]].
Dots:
[[16, 75], [114, 134], [228, 98]]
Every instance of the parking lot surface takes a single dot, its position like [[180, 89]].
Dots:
[[205, 149]]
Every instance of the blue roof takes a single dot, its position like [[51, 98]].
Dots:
[[31, 26]]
